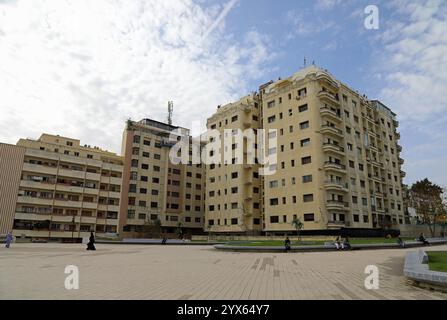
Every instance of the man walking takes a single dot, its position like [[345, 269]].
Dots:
[[9, 239]]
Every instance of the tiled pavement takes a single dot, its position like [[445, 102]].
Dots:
[[36, 271]]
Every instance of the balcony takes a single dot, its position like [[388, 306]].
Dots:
[[403, 174], [401, 161], [337, 205], [331, 147], [326, 129], [328, 165], [71, 173], [29, 167], [328, 97], [34, 200], [375, 177], [329, 113], [399, 148], [396, 123], [37, 185], [336, 224], [336, 185]]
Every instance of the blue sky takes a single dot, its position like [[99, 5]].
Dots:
[[110, 60]]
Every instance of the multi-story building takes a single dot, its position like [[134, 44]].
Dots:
[[233, 193], [338, 158], [155, 189], [60, 189]]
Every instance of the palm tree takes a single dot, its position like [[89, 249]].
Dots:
[[298, 225]]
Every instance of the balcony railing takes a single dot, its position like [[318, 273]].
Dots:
[[334, 165], [338, 203], [333, 145], [326, 127]]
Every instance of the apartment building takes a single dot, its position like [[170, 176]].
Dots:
[[64, 190], [155, 189], [11, 163], [233, 191], [338, 165]]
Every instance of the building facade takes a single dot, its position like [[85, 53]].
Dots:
[[64, 190], [338, 164], [233, 191], [155, 189]]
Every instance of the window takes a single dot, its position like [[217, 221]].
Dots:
[[146, 154], [309, 217], [155, 180], [234, 205], [349, 146], [146, 142], [303, 108], [234, 221], [142, 216], [234, 190], [234, 119], [144, 178], [157, 157], [145, 166], [143, 190], [271, 104], [356, 218], [273, 184], [274, 219], [307, 179], [271, 119], [302, 92], [154, 204], [308, 198], [156, 168], [305, 142], [304, 125], [154, 192], [306, 160], [274, 202], [354, 199]]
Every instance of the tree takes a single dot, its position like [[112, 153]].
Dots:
[[179, 230], [298, 225], [426, 198], [152, 228]]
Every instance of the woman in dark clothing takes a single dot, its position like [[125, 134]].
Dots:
[[287, 244], [91, 243]]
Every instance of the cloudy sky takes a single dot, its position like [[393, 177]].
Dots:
[[81, 68]]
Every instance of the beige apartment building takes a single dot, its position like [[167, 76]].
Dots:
[[233, 191], [154, 189], [60, 189], [338, 160]]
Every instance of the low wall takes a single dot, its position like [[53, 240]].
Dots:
[[414, 230], [260, 238]]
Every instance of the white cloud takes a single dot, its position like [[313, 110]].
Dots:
[[415, 59], [327, 4], [81, 68]]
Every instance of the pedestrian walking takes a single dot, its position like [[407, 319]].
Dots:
[[91, 243], [287, 244], [9, 239]]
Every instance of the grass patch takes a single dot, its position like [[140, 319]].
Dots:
[[437, 260]]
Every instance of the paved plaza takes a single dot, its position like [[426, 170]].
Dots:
[[36, 271]]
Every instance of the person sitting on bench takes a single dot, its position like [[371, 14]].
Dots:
[[423, 240]]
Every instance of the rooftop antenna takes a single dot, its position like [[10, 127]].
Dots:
[[170, 111]]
